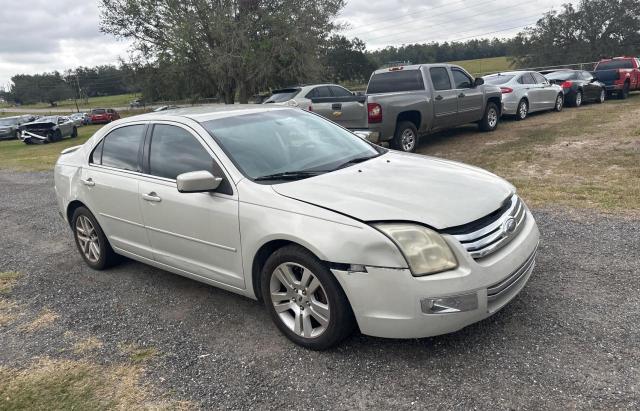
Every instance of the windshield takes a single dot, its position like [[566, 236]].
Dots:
[[280, 96], [8, 122], [562, 75], [286, 141], [615, 64], [98, 111], [498, 79]]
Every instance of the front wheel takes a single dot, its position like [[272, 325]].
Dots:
[[406, 137], [559, 102], [490, 119], [304, 299], [602, 97], [91, 240], [74, 133]]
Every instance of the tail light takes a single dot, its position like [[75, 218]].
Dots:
[[375, 112], [310, 107], [506, 90], [566, 84]]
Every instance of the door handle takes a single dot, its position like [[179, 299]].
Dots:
[[152, 196], [439, 97], [461, 95], [89, 182]]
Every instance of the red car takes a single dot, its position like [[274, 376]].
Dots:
[[619, 74], [103, 115]]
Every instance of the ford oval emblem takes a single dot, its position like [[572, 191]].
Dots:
[[509, 226]]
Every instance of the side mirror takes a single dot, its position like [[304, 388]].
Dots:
[[197, 182], [478, 82]]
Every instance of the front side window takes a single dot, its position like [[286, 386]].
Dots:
[[440, 78], [340, 92], [615, 64], [286, 141], [587, 76], [461, 79], [174, 151], [121, 147]]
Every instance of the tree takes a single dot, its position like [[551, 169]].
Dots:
[[346, 60], [594, 29], [234, 46], [46, 87]]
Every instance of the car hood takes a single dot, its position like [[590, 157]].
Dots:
[[39, 124], [405, 187]]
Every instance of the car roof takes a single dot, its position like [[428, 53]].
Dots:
[[210, 112]]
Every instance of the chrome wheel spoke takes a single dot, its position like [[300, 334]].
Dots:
[[313, 287], [319, 310], [278, 296], [306, 278], [307, 328], [280, 308], [297, 326]]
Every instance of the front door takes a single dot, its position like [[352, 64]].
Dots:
[[444, 98], [111, 182], [198, 233], [470, 98]]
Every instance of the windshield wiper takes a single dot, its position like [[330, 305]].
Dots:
[[355, 161], [289, 175]]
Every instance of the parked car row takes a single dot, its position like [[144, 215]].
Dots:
[[404, 103]]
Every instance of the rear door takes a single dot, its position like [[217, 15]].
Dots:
[[548, 93], [198, 233], [110, 183], [445, 98], [591, 90], [470, 98]]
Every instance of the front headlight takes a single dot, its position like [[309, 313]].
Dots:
[[425, 250]]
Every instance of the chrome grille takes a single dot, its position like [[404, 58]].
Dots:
[[497, 233]]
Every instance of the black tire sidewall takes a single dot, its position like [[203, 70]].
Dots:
[[341, 321], [106, 253], [397, 137]]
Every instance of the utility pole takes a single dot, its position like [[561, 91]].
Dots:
[[79, 95]]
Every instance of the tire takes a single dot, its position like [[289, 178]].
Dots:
[[602, 97], [17, 136], [576, 101], [559, 103], [491, 118], [624, 93], [83, 220], [406, 137], [523, 110], [283, 274], [74, 132]]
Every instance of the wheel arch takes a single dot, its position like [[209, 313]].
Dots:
[[72, 207], [497, 101], [412, 116]]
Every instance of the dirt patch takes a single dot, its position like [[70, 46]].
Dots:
[[7, 280], [44, 320], [86, 345]]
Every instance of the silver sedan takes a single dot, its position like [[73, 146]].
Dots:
[[525, 92]]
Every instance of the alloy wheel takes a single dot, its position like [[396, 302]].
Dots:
[[88, 239], [492, 117], [523, 110], [559, 102], [300, 300], [578, 99], [408, 140], [603, 95]]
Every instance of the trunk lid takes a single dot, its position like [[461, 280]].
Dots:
[[350, 112]]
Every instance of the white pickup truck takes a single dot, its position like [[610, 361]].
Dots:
[[403, 103]]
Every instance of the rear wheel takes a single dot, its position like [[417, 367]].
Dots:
[[576, 101], [491, 117], [602, 96], [559, 102], [523, 110], [17, 134], [74, 133], [624, 93], [406, 137], [304, 300], [91, 241]]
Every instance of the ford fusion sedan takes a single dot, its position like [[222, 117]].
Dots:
[[284, 206], [525, 92]]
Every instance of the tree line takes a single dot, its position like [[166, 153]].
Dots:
[[236, 49]]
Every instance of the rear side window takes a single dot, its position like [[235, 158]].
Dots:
[[498, 79], [526, 79], [121, 147], [395, 81], [98, 111], [440, 78], [539, 78], [587, 76], [615, 64]]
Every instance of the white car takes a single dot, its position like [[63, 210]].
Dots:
[[281, 205]]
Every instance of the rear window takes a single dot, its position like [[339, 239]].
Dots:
[[499, 79], [615, 64], [394, 81], [98, 111], [280, 96], [562, 75]]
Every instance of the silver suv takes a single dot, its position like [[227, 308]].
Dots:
[[301, 96]]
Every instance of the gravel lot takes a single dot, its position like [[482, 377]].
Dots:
[[570, 340]]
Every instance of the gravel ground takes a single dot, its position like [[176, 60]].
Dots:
[[570, 340]]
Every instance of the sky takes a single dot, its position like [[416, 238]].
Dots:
[[46, 35]]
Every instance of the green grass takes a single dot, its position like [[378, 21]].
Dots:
[[483, 66], [121, 100], [16, 155]]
